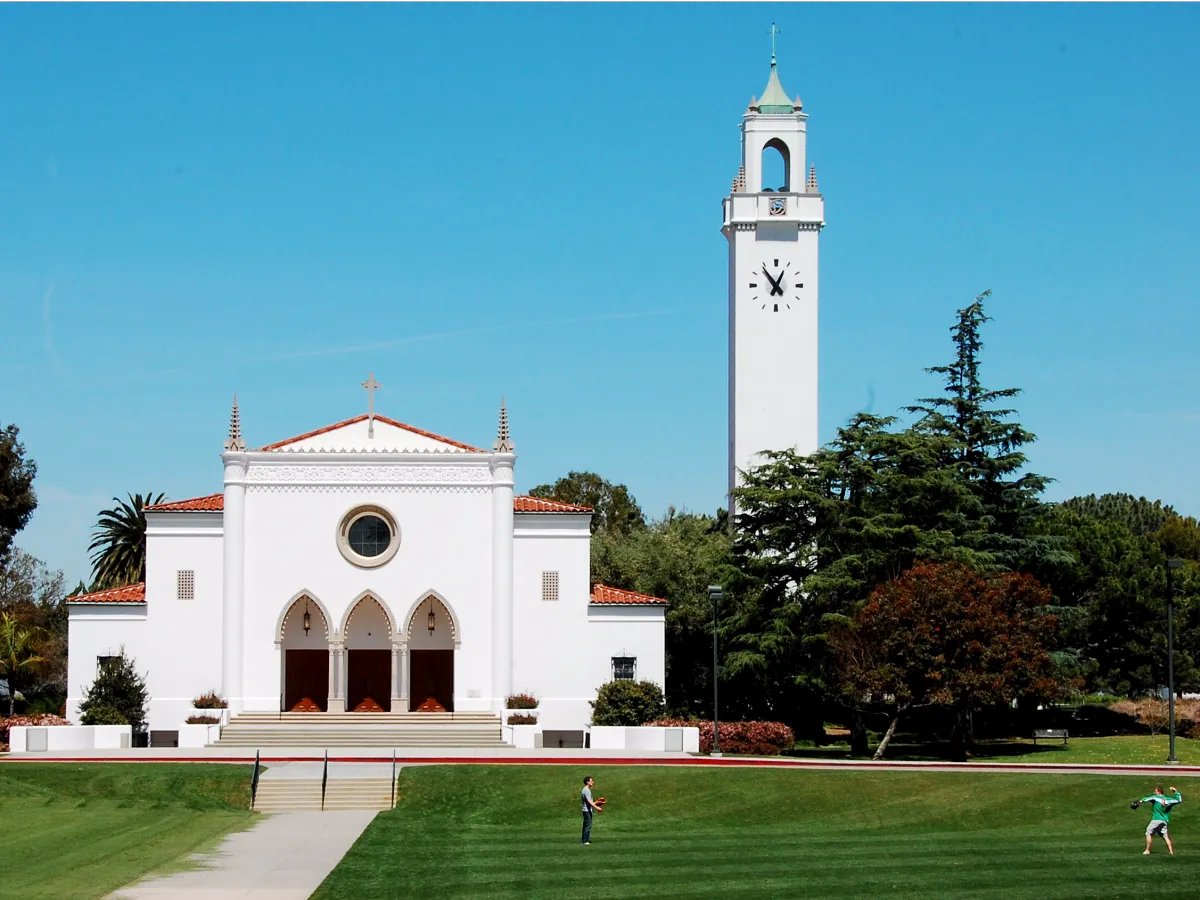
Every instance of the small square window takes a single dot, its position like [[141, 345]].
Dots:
[[103, 662], [185, 580], [549, 585], [624, 668]]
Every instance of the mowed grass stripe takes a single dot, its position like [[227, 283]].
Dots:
[[514, 831]]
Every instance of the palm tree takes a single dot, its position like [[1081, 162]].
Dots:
[[119, 542], [17, 654]]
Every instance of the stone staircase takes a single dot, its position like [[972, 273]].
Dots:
[[384, 730], [304, 794]]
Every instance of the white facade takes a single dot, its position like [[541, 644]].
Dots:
[[773, 287], [232, 578]]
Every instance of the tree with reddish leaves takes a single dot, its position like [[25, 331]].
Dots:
[[946, 635]]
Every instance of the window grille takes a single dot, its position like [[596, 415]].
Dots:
[[186, 584], [103, 662], [624, 668], [549, 585]]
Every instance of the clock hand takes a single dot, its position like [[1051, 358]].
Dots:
[[775, 286]]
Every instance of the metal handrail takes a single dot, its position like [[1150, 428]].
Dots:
[[393, 804], [254, 780], [281, 707], [324, 780]]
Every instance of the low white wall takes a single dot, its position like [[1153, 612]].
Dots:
[[521, 736], [72, 737], [198, 735], [649, 738]]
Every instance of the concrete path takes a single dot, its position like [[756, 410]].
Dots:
[[284, 857]]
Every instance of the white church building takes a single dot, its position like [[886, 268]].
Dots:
[[363, 567], [371, 566]]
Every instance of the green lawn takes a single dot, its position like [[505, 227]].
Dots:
[[1127, 750], [509, 831], [79, 831]]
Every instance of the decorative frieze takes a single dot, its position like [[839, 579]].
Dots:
[[314, 477]]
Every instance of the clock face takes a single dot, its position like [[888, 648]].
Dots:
[[775, 286]]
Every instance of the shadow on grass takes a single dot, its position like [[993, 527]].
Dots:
[[935, 751]]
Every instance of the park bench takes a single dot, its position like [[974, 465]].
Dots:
[[1050, 734]]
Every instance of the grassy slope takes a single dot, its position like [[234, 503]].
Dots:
[[79, 831], [673, 832], [1127, 750]]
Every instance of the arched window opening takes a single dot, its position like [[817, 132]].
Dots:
[[776, 166]]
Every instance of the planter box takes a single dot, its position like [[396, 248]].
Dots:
[[652, 739], [221, 714], [520, 736], [196, 736], [519, 712], [57, 738]]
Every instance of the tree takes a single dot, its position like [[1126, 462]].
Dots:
[[629, 703], [985, 446], [32, 594], [675, 557], [18, 656], [1139, 515], [17, 497], [118, 686], [947, 635], [614, 511], [119, 542]]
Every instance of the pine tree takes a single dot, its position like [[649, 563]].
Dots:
[[119, 686], [986, 447]]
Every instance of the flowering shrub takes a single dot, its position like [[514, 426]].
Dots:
[[520, 719], [1152, 712], [211, 700], [38, 720], [521, 701], [755, 738], [203, 720]]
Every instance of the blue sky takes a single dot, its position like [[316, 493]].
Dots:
[[477, 200]]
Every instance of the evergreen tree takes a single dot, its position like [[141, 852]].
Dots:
[[1139, 515], [17, 498], [985, 446], [118, 686], [614, 510]]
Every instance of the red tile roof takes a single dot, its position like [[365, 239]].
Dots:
[[211, 503], [526, 504], [606, 595], [362, 418], [216, 503], [132, 593]]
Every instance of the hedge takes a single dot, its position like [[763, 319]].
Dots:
[[753, 738]]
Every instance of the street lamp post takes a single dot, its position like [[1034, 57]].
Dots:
[[1172, 565], [715, 594]]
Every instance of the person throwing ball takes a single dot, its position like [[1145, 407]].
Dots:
[[1160, 817], [589, 806]]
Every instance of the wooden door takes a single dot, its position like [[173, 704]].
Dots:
[[306, 677], [369, 680], [432, 676]]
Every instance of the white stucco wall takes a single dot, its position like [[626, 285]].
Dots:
[[175, 643]]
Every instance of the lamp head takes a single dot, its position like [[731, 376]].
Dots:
[[1174, 563], [715, 593]]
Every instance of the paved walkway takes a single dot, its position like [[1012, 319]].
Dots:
[[284, 857]]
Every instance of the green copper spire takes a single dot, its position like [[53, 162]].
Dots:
[[774, 100]]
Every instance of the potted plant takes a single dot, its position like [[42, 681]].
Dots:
[[210, 705], [522, 704]]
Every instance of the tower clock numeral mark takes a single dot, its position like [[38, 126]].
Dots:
[[753, 285], [799, 286], [776, 262]]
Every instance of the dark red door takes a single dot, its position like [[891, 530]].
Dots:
[[369, 680], [432, 676], [306, 679]]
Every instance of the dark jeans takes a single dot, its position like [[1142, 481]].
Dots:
[[587, 826]]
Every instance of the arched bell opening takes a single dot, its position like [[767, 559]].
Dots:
[[304, 640], [776, 166], [368, 641], [432, 635]]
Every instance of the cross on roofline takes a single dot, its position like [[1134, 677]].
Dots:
[[774, 32], [372, 386]]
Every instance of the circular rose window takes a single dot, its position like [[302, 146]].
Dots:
[[368, 536]]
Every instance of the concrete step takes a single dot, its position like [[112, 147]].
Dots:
[[304, 794]]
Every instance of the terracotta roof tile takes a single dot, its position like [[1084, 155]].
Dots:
[[132, 593], [523, 503], [604, 595], [363, 418], [211, 503]]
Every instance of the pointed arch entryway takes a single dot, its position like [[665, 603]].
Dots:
[[431, 634], [368, 631], [303, 635]]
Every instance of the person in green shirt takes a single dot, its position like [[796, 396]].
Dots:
[[1160, 817]]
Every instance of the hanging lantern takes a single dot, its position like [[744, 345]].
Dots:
[[432, 617], [307, 619]]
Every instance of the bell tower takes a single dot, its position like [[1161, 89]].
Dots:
[[773, 231]]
